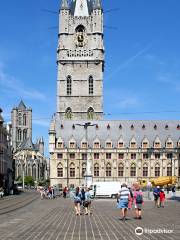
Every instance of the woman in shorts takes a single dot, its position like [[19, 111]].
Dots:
[[77, 201]]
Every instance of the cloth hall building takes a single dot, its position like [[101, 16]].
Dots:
[[122, 151]]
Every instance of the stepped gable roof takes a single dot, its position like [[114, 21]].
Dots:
[[22, 106], [110, 129]]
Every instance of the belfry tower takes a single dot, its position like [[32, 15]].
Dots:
[[80, 59]]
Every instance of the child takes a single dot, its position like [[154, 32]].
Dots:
[[162, 198]]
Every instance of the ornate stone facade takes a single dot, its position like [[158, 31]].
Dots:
[[122, 151]]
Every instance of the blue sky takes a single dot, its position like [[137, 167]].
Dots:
[[142, 69]]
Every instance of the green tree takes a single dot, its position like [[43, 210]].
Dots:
[[29, 181]]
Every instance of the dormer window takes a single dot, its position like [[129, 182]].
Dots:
[[120, 144], [155, 127], [157, 144], [108, 126], [84, 145], [133, 144], [108, 144], [166, 127], [72, 145], [169, 145], [120, 126], [178, 127], [143, 127], [96, 145], [145, 145], [60, 145]]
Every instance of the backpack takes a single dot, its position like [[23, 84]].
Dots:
[[139, 199]]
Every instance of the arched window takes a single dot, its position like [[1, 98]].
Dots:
[[80, 36], [96, 170], [34, 171], [145, 170], [24, 134], [72, 170], [83, 169], [108, 170], [157, 170], [169, 170], [133, 170], [91, 85], [24, 120], [19, 119], [69, 85], [60, 170], [120, 170], [68, 113], [90, 113], [29, 170], [19, 135]]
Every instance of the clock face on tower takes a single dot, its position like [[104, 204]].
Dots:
[[80, 36]]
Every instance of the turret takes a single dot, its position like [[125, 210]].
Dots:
[[64, 5], [52, 136], [97, 5], [41, 146]]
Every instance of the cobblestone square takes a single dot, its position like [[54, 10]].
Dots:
[[56, 220]]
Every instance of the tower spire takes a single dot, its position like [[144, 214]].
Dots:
[[81, 8], [97, 4], [64, 5]]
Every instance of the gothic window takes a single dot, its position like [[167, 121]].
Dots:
[[157, 170], [91, 86], [96, 170], [34, 171], [84, 145], [29, 170], [90, 113], [120, 144], [72, 170], [60, 145], [68, 113], [145, 170], [169, 170], [24, 120], [96, 156], [69, 85], [96, 145], [133, 170], [72, 145], [133, 155], [24, 134], [121, 156], [108, 170], [108, 144], [83, 169], [60, 170], [19, 119], [108, 156], [19, 135], [59, 155], [120, 170]]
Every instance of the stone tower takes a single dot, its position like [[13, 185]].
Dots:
[[80, 59], [21, 118]]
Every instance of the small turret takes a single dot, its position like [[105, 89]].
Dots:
[[41, 146], [97, 5], [64, 5]]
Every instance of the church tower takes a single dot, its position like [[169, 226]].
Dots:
[[80, 59], [21, 118]]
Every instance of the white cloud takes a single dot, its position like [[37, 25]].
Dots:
[[170, 79], [128, 102], [41, 122], [11, 85]]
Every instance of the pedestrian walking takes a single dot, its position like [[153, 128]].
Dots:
[[123, 199], [130, 203], [87, 203], [82, 199], [162, 198], [173, 191], [1, 192], [65, 192], [77, 201], [156, 192], [138, 201]]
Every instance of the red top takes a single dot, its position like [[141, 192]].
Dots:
[[162, 196]]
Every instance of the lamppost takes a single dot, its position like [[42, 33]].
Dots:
[[88, 174]]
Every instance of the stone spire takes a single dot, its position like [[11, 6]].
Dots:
[[97, 4], [64, 5], [81, 8]]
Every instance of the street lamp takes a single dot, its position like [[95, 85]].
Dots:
[[88, 173]]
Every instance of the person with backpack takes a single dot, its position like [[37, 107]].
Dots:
[[87, 202], [82, 198], [156, 192], [173, 191], [138, 201]]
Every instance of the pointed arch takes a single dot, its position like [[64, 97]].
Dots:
[[169, 170], [24, 134], [96, 170], [145, 142], [133, 170], [19, 135], [108, 170], [90, 113], [145, 170], [83, 169], [121, 170], [24, 120], [60, 170], [157, 170], [68, 113], [133, 143], [72, 170], [20, 119], [169, 143], [157, 142], [34, 171]]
